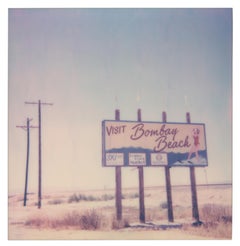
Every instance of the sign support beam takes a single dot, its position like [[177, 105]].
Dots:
[[118, 174], [141, 184], [168, 182], [195, 212]]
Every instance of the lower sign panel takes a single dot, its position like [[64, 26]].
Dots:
[[137, 159], [114, 159], [159, 159]]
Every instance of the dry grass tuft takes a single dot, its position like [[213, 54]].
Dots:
[[217, 222], [120, 224], [90, 220], [217, 214], [56, 201], [82, 197]]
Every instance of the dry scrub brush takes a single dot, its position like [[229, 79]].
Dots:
[[89, 220], [217, 222]]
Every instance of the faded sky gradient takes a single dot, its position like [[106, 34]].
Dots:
[[89, 62]]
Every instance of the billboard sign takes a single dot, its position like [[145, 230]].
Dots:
[[134, 143]]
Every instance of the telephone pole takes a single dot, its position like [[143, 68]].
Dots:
[[27, 159], [39, 103]]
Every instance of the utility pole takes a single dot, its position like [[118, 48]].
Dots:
[[39, 103], [27, 159]]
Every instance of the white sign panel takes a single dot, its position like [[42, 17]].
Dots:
[[131, 143], [114, 159], [159, 159], [137, 159]]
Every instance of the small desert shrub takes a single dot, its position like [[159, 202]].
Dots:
[[154, 214], [55, 202], [73, 198], [37, 222], [107, 197], [164, 205], [131, 196], [119, 224], [217, 219], [81, 197], [217, 222], [216, 214], [90, 220]]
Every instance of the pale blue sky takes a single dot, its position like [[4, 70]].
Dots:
[[90, 61]]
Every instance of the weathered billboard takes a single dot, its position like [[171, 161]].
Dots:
[[133, 143]]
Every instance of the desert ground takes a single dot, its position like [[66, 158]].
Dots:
[[90, 215]]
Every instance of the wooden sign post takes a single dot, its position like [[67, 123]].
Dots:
[[118, 175], [195, 213], [141, 184], [168, 182]]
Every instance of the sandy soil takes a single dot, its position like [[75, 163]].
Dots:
[[155, 199]]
